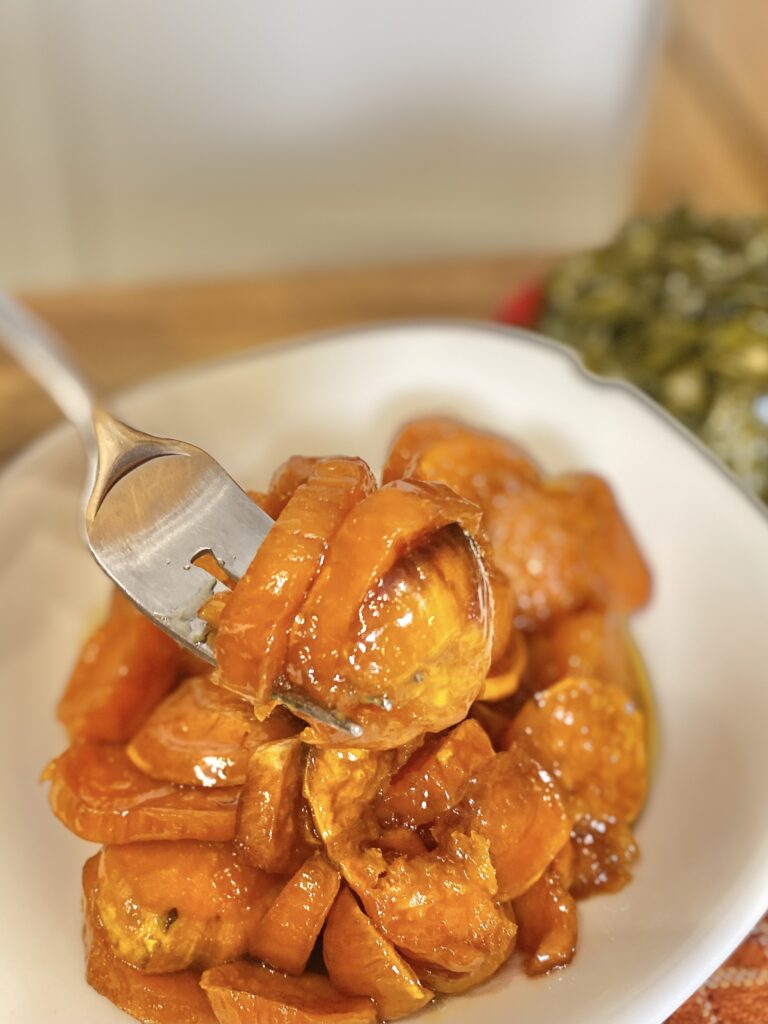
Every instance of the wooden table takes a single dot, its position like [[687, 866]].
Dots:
[[707, 143]]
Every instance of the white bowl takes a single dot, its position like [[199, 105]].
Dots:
[[703, 877]]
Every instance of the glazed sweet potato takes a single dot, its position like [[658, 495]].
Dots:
[[341, 786], [592, 738], [436, 777], [125, 669], [361, 962], [515, 804], [167, 906], [565, 545], [100, 795], [152, 998], [203, 735], [588, 644], [288, 931], [400, 612], [474, 463], [252, 634], [272, 825], [439, 909], [248, 993]]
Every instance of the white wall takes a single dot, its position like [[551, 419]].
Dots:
[[143, 138]]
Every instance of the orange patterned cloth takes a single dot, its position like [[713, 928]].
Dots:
[[737, 993]]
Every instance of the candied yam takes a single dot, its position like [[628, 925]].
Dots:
[[504, 678], [271, 818], [436, 776], [167, 906], [592, 738], [100, 795], [288, 931], [517, 806], [547, 924], [203, 735], [248, 993], [414, 647], [341, 785], [125, 669], [253, 628], [289, 475], [450, 983], [361, 962], [603, 849], [565, 545], [412, 438], [476, 465], [439, 909], [174, 998], [592, 644]]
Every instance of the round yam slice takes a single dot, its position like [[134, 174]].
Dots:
[[203, 735], [591, 737], [248, 993], [272, 821], [125, 669], [435, 778], [438, 909], [253, 628], [167, 906], [516, 805], [100, 795], [361, 962], [287, 933], [174, 998], [396, 631]]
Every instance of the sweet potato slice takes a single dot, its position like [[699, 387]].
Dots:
[[100, 795], [565, 545], [289, 475], [167, 906], [203, 735], [589, 644], [435, 778], [252, 634], [341, 785], [288, 931], [248, 993], [450, 983], [517, 806], [361, 962], [125, 669], [439, 909], [547, 923], [473, 462], [592, 738], [152, 998], [400, 613], [272, 822]]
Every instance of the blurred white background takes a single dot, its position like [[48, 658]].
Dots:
[[150, 139]]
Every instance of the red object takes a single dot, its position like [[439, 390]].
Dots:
[[523, 307]]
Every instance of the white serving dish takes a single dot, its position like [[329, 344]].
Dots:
[[703, 877]]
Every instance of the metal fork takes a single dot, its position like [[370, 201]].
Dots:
[[153, 505]]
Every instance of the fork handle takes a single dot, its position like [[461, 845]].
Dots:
[[35, 346]]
